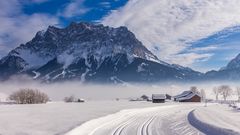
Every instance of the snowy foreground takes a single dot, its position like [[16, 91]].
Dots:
[[174, 119], [105, 118], [57, 118]]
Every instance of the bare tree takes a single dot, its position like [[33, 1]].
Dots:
[[225, 91], [29, 96], [238, 93], [216, 92], [203, 95], [194, 89]]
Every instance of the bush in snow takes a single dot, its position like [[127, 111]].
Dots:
[[29, 96], [69, 99], [144, 97]]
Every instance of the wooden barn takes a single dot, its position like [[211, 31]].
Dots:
[[158, 98], [169, 97], [188, 96]]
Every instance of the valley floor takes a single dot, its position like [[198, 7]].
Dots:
[[57, 118], [105, 118]]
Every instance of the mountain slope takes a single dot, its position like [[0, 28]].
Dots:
[[89, 52], [230, 72]]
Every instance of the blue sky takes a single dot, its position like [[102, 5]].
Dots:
[[93, 10], [203, 35], [224, 45]]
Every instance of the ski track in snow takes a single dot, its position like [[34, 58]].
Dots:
[[162, 120]]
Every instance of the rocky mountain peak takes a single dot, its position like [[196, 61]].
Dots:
[[234, 63], [93, 52], [81, 40]]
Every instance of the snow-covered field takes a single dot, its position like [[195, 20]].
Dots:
[[160, 120], [102, 114], [216, 119], [57, 118], [172, 119], [118, 117]]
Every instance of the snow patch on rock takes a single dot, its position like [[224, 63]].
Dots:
[[65, 59], [142, 67], [31, 58], [37, 74]]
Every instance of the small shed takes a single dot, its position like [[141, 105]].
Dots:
[[158, 98], [188, 96], [169, 97]]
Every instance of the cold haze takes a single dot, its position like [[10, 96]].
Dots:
[[119, 67]]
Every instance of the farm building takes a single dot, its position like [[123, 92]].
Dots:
[[158, 98], [168, 97], [188, 96]]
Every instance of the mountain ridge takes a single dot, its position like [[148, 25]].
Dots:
[[90, 52], [230, 72]]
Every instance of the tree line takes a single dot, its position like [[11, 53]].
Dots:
[[225, 91]]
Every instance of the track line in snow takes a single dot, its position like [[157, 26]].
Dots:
[[121, 118], [160, 120], [120, 128], [147, 131], [144, 126], [208, 128]]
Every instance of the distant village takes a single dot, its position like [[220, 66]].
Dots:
[[192, 95], [31, 96], [222, 94]]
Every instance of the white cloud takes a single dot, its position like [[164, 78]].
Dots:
[[39, 1], [205, 49], [167, 27], [187, 58], [34, 1], [17, 27], [106, 4], [74, 8]]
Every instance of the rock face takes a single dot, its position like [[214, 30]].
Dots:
[[230, 72], [90, 53]]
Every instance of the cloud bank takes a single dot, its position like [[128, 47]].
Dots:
[[17, 27], [74, 8], [168, 27]]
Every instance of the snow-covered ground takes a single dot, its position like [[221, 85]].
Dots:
[[3, 97], [57, 118], [173, 119], [216, 119], [119, 117], [161, 120]]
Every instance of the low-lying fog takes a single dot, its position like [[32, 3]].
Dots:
[[58, 91]]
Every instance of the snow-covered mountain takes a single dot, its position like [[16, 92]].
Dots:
[[89, 52], [234, 63], [229, 72]]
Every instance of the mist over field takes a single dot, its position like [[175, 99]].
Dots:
[[57, 91]]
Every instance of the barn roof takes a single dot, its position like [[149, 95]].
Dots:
[[158, 96], [183, 94], [186, 95]]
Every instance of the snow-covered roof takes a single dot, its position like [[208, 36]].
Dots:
[[186, 95], [183, 94], [158, 96]]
